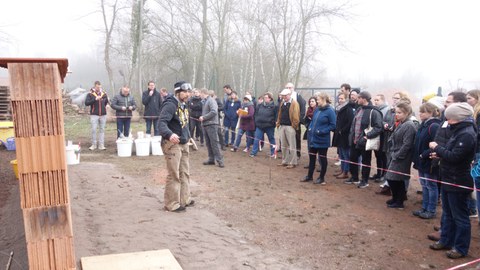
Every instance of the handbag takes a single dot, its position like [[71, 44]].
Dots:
[[373, 143]]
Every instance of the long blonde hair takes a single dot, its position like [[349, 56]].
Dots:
[[476, 95]]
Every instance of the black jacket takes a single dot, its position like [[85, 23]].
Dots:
[[195, 107], [152, 103], [170, 120], [97, 107], [120, 101], [457, 155], [344, 123], [376, 125], [266, 115]]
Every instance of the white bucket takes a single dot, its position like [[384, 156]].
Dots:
[[142, 147], [72, 152], [124, 147], [156, 146]]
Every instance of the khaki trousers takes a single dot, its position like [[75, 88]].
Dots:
[[177, 188], [289, 145]]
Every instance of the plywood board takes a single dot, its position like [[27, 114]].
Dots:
[[146, 260]]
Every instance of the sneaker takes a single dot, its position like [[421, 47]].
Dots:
[[209, 163], [221, 165], [396, 205], [291, 166], [306, 179], [454, 254], [385, 190], [251, 155], [192, 202], [389, 201], [418, 212], [93, 147], [260, 148], [362, 184], [320, 181], [351, 181], [101, 147], [438, 246], [245, 150], [427, 215], [338, 163], [473, 213], [233, 149]]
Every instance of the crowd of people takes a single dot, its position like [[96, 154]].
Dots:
[[441, 143]]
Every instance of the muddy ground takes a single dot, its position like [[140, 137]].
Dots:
[[251, 214]]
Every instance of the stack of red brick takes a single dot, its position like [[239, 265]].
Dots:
[[35, 92]]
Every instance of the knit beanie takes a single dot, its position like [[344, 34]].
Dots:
[[459, 111]]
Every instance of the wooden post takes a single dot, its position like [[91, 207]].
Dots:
[[36, 99]]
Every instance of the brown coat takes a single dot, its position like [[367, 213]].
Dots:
[[294, 113]]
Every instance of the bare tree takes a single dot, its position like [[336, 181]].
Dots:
[[109, 24], [291, 25]]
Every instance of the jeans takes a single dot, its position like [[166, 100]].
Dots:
[[149, 122], [232, 137], [477, 190], [259, 132], [94, 120], [344, 154], [366, 156], [322, 159], [249, 135], [123, 127], [429, 192], [456, 228]]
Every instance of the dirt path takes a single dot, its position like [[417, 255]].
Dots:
[[114, 213]]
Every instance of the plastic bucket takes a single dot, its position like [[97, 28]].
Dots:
[[156, 146], [15, 167], [72, 153], [10, 144], [142, 147], [6, 130], [124, 147]]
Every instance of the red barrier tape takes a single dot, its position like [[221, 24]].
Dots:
[[332, 158], [463, 265]]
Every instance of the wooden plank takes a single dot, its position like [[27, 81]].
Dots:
[[155, 259]]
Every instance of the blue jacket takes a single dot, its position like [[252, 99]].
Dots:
[[421, 155], [230, 110], [323, 122]]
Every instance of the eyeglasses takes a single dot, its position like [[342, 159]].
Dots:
[[185, 86]]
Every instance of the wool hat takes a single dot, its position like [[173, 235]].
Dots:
[[366, 95], [285, 92], [458, 111], [249, 97]]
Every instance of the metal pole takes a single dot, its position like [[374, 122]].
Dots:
[[139, 53]]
